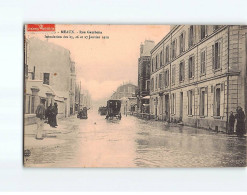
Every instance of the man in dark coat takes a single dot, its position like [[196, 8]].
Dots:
[[54, 112], [240, 117], [231, 123], [49, 114]]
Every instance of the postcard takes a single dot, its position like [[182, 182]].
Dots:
[[135, 96]]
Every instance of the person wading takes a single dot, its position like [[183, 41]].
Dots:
[[40, 114]]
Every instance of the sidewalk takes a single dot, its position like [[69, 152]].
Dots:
[[50, 135]]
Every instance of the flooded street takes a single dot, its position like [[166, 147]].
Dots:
[[133, 142]]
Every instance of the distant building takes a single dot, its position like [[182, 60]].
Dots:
[[144, 62], [50, 75], [198, 75], [82, 98], [127, 94]]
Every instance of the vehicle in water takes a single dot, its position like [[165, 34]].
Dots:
[[113, 109], [82, 114], [102, 110]]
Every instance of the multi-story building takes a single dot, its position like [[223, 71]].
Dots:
[[50, 75], [144, 75], [198, 75]]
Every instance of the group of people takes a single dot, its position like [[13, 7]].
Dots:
[[41, 113], [51, 115], [239, 118]]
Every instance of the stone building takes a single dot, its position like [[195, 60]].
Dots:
[[144, 75], [127, 94], [198, 75], [50, 75]]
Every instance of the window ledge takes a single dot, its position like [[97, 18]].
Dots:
[[217, 70], [190, 115], [203, 116], [217, 117]]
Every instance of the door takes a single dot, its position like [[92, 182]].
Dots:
[[167, 107], [217, 102], [181, 106]]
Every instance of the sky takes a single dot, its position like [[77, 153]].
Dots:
[[104, 64]]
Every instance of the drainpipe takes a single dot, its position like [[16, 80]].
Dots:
[[227, 96]]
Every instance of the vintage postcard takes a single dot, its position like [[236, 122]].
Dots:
[[135, 95]]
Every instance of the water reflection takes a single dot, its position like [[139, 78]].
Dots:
[[132, 142]]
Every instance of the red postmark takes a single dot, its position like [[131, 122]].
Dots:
[[40, 27]]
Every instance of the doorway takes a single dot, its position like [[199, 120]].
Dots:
[[167, 108], [181, 106]]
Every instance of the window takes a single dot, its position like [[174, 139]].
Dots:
[[160, 80], [217, 102], [181, 43], [46, 78], [152, 65], [148, 85], [156, 62], [191, 36], [156, 83], [203, 31], [161, 58], [191, 67], [173, 74], [190, 100], [181, 71], [203, 62], [167, 78], [173, 103], [167, 53], [152, 84], [174, 48], [216, 56]]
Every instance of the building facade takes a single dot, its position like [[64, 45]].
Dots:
[[198, 75], [127, 94], [50, 75], [144, 62]]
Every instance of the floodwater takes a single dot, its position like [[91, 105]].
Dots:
[[133, 142]]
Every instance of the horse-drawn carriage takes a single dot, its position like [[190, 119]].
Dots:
[[113, 109]]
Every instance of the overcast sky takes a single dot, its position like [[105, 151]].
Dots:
[[103, 64]]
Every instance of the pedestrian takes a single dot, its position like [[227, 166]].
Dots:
[[40, 114], [231, 123], [48, 114], [240, 117], [54, 112]]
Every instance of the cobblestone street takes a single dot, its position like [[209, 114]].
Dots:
[[132, 142]]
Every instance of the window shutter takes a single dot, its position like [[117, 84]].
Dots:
[[184, 41], [188, 102], [199, 32], [214, 105], [206, 102], [193, 66], [219, 50], [193, 102], [222, 98], [213, 57], [174, 103]]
